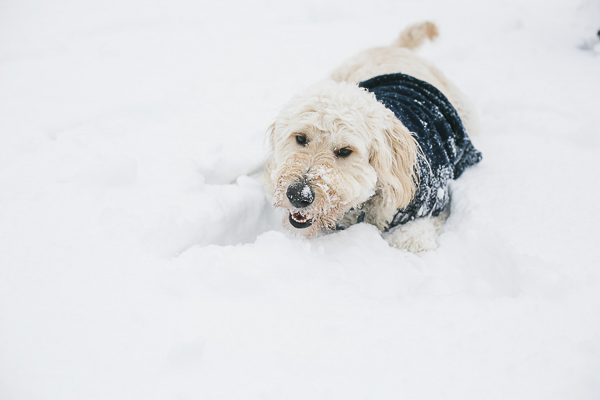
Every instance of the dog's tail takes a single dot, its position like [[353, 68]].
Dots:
[[414, 35]]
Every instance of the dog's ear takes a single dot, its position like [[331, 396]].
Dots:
[[270, 161], [394, 158]]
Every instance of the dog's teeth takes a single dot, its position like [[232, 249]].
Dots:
[[299, 217]]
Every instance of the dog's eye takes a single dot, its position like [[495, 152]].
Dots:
[[301, 140], [345, 152]]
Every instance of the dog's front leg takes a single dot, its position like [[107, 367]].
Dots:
[[418, 235]]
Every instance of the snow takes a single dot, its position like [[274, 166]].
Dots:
[[134, 263], [306, 193]]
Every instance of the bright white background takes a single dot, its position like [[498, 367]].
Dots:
[[132, 268]]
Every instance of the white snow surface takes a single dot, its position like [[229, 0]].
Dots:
[[131, 267]]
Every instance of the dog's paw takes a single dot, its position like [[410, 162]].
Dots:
[[416, 236]]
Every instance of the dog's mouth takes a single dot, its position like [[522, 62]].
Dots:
[[300, 221]]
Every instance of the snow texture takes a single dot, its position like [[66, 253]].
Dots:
[[307, 194], [135, 264]]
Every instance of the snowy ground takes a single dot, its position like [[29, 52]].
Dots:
[[131, 267]]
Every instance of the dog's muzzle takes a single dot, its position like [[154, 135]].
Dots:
[[300, 195]]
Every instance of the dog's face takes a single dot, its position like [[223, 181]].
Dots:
[[323, 172], [329, 151]]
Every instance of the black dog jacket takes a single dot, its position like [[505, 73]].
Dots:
[[438, 129]]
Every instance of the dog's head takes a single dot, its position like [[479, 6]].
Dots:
[[333, 148]]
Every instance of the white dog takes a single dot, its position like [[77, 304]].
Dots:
[[376, 143]]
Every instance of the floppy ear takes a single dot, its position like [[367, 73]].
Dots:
[[394, 158], [270, 161]]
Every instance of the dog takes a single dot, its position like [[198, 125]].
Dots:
[[378, 142]]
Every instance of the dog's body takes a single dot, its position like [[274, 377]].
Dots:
[[340, 156]]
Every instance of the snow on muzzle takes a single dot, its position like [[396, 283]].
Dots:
[[300, 195]]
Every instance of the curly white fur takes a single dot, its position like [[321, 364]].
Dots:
[[380, 175]]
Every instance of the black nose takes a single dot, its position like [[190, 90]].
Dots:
[[300, 194]]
